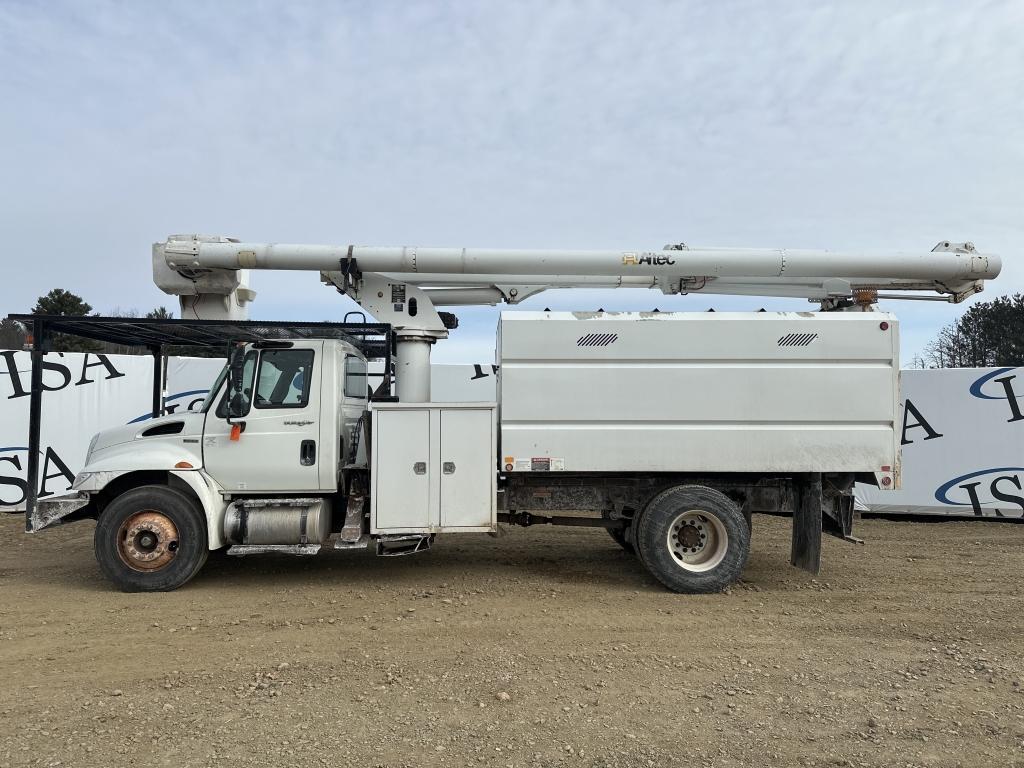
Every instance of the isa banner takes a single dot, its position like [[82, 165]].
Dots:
[[963, 445], [82, 394]]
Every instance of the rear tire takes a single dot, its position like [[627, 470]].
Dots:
[[151, 539], [693, 539]]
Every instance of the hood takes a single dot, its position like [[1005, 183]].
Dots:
[[174, 426]]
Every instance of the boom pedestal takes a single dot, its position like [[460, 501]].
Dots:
[[412, 365]]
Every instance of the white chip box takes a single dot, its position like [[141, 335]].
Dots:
[[709, 392]]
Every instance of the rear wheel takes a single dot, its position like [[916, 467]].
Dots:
[[693, 539], [151, 539]]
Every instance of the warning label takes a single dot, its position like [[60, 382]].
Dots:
[[547, 464]]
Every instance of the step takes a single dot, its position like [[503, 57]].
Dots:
[[240, 550]]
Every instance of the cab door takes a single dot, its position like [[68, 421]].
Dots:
[[278, 449]]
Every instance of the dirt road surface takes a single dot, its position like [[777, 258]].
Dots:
[[547, 647]]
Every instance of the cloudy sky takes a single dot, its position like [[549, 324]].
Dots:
[[565, 124]]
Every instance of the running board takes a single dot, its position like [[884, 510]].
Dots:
[[394, 546], [240, 550]]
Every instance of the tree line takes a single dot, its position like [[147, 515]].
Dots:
[[67, 304], [990, 334]]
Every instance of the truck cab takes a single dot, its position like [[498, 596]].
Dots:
[[265, 464], [298, 408]]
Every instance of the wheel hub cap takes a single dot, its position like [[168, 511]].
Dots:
[[147, 541], [697, 540]]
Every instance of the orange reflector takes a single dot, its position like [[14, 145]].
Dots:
[[183, 465], [886, 468], [236, 431]]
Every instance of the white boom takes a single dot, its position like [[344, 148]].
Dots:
[[403, 285]]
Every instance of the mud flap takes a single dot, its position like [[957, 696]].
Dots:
[[838, 519], [352, 531], [805, 552]]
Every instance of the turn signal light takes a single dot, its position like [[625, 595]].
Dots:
[[236, 432], [183, 465]]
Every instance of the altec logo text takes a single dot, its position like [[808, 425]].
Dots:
[[634, 259]]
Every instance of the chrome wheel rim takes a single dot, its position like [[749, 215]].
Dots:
[[697, 541]]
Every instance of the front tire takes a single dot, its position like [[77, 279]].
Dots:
[[693, 539], [151, 539]]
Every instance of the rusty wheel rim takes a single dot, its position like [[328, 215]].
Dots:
[[147, 541]]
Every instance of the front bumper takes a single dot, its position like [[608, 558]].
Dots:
[[48, 512]]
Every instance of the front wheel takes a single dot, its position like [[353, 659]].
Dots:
[[151, 539], [693, 539]]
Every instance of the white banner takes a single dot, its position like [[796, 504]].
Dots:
[[963, 445], [82, 394], [963, 428]]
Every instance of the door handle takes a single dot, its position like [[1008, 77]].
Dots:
[[448, 467], [307, 453]]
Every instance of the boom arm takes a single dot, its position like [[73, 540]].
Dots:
[[402, 285]]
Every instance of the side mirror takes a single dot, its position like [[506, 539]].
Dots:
[[236, 369]]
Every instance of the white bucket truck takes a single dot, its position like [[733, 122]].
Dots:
[[667, 429]]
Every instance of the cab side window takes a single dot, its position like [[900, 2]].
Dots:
[[355, 377], [284, 378]]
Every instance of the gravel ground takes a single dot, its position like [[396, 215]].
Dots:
[[546, 647]]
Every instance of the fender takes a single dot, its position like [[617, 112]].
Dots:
[[206, 490], [213, 503]]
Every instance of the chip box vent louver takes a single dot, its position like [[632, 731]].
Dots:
[[797, 339], [596, 339]]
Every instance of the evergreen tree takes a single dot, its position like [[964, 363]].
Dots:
[[66, 304]]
